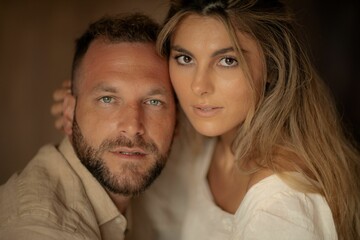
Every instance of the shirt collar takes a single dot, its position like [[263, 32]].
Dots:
[[104, 208]]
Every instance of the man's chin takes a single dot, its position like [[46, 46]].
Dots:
[[126, 186], [131, 181]]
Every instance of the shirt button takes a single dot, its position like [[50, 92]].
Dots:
[[118, 220], [227, 223]]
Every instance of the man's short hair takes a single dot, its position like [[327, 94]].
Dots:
[[132, 28]]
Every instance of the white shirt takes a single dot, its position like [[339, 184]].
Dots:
[[179, 205], [269, 210], [159, 212]]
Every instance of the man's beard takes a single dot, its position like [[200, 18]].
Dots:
[[131, 182]]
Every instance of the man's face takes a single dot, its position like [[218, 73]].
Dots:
[[124, 115]]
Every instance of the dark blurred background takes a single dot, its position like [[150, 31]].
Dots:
[[37, 43]]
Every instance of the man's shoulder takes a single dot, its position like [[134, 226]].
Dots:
[[47, 193], [47, 178]]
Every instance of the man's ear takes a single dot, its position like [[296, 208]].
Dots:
[[68, 113]]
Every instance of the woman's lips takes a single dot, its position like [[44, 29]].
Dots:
[[206, 110]]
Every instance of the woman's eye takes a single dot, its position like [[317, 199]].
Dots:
[[154, 102], [228, 62], [106, 99], [183, 59]]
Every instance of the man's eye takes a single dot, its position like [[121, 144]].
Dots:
[[228, 62], [154, 102], [106, 99], [183, 59]]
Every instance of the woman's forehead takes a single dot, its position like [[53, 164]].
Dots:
[[195, 26]]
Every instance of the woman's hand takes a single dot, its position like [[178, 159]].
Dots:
[[57, 107]]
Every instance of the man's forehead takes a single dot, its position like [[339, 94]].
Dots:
[[102, 54], [134, 61], [124, 47]]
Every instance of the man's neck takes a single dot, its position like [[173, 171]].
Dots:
[[120, 201]]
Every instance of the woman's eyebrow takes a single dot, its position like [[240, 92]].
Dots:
[[222, 51], [216, 53], [181, 50]]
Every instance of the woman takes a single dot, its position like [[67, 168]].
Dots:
[[276, 163]]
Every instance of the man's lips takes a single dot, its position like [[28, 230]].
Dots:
[[129, 152]]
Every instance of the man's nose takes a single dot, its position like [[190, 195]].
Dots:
[[131, 121]]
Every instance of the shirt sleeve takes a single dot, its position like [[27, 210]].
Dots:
[[36, 233], [31, 228]]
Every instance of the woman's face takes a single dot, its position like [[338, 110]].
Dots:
[[208, 77]]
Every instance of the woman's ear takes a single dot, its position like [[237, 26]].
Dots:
[[68, 113]]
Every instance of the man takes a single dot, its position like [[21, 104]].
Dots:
[[119, 124]]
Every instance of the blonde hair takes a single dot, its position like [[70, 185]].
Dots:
[[294, 113]]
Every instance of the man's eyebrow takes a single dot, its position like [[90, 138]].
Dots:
[[158, 91], [104, 88], [111, 89], [216, 53]]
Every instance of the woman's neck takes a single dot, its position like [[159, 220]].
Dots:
[[227, 182], [223, 156], [224, 177]]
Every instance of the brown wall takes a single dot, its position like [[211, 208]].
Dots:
[[37, 42]]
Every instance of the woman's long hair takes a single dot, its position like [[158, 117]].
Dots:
[[293, 115]]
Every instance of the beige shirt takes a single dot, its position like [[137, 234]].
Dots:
[[55, 197]]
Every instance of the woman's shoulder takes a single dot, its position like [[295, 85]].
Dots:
[[274, 205], [272, 192]]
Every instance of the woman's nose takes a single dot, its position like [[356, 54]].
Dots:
[[201, 83]]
